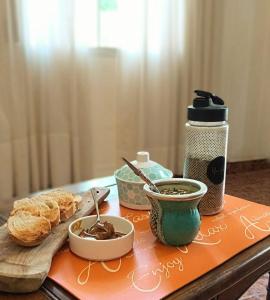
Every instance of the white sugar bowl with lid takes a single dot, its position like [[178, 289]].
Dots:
[[130, 186]]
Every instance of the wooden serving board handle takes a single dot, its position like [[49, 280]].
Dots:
[[24, 269]]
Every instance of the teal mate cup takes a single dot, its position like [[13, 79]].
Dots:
[[174, 217]]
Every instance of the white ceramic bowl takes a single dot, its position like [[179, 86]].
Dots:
[[101, 250]]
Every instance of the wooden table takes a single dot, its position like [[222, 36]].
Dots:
[[228, 281]]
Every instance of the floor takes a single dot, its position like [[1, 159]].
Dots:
[[251, 183]]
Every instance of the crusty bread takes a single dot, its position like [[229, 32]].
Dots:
[[66, 202], [25, 204], [39, 206], [52, 213], [28, 230], [78, 201], [31, 219]]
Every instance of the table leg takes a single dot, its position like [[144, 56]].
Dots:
[[268, 288]]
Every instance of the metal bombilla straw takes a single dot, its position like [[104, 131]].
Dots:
[[140, 173]]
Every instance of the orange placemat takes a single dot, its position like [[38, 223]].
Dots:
[[153, 270]]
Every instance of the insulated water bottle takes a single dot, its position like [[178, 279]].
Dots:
[[206, 148]]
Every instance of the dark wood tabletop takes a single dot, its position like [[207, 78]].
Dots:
[[227, 281]]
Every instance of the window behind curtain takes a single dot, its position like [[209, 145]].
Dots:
[[123, 24]]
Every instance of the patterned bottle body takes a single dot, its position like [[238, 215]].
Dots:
[[205, 160]]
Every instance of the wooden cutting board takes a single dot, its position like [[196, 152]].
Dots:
[[24, 269]]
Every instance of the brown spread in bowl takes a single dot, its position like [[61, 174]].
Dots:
[[101, 231]]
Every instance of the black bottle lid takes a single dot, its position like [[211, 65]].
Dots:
[[207, 107]]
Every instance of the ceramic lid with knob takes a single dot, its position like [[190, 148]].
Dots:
[[150, 168]]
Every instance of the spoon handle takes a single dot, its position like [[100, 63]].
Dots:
[[94, 195]]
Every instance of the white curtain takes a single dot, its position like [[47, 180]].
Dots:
[[84, 82], [75, 100], [226, 51]]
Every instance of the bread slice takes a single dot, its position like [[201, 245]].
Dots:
[[54, 214], [78, 202], [39, 206], [28, 230], [66, 202], [25, 204]]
